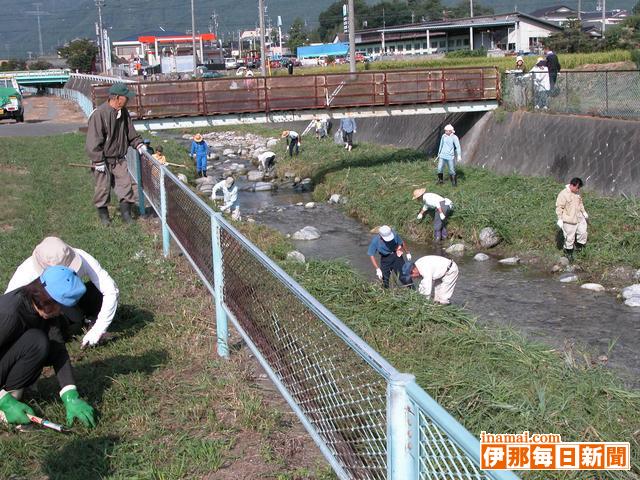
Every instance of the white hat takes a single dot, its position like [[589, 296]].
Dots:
[[52, 251], [519, 58], [449, 127], [386, 233]]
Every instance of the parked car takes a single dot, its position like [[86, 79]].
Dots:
[[10, 102], [230, 63]]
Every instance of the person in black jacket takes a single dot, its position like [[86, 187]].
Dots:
[[553, 64], [32, 336]]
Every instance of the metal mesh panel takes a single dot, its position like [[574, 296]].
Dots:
[[150, 175], [439, 457], [600, 93], [190, 223], [342, 396]]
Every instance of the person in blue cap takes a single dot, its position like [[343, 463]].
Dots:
[[31, 337], [391, 248]]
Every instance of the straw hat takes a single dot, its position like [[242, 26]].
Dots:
[[53, 251], [418, 192], [197, 137], [284, 133]]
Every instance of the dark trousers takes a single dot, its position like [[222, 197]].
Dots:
[[440, 226], [390, 263], [347, 137], [293, 143], [22, 363]]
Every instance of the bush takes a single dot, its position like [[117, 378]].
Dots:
[[480, 52], [635, 56]]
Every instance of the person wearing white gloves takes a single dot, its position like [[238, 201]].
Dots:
[[110, 133], [229, 195], [100, 300], [572, 217], [447, 152], [391, 248], [434, 270], [441, 207]]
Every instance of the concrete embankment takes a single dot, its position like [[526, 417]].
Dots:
[[603, 152]]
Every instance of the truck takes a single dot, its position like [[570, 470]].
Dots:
[[11, 100]]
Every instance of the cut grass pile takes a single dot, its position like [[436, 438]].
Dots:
[[168, 407]]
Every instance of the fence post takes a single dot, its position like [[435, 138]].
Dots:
[[606, 92], [401, 430], [166, 239], [141, 207], [222, 327]]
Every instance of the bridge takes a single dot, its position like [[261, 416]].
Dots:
[[39, 78], [236, 100]]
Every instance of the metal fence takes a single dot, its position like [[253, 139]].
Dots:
[[609, 93], [369, 420], [202, 97]]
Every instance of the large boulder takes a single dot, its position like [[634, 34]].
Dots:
[[633, 301], [307, 233], [272, 143], [263, 186], [335, 198], [228, 152], [631, 291], [509, 261], [455, 249], [568, 277], [481, 257], [595, 287], [255, 176], [296, 256], [489, 237]]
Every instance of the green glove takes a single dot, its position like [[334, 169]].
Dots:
[[14, 410], [77, 408]]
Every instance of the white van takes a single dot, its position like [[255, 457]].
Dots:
[[230, 63]]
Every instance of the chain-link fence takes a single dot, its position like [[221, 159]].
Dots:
[[609, 93], [369, 420]]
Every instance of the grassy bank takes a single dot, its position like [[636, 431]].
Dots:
[[569, 61], [168, 407]]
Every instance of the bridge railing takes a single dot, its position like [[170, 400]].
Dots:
[[203, 97], [608, 93], [369, 420]]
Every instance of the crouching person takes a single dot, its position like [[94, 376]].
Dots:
[[229, 195], [31, 338], [434, 270]]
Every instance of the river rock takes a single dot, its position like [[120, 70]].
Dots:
[[201, 180], [289, 175], [636, 276], [263, 186], [307, 233], [481, 257], [310, 205], [489, 237], [272, 142], [299, 204], [213, 157], [631, 291], [296, 256], [633, 301], [596, 287], [227, 152], [455, 249], [183, 178], [509, 261], [563, 261], [335, 198], [255, 176], [568, 277]]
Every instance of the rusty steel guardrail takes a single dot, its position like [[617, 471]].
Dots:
[[205, 97]]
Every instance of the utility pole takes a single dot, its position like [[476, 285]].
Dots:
[[580, 10], [100, 4], [193, 36], [263, 49], [471, 8], [38, 13], [352, 37], [604, 16]]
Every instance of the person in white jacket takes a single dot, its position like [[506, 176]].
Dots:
[[541, 83], [101, 298], [267, 161], [434, 270], [230, 196]]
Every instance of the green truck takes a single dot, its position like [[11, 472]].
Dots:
[[10, 101]]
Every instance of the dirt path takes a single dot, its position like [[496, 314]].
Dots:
[[45, 115]]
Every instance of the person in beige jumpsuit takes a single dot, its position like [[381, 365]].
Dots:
[[572, 217], [439, 274], [110, 133]]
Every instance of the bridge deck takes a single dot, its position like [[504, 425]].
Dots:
[[241, 95]]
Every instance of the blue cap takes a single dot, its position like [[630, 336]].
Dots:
[[405, 276], [63, 285]]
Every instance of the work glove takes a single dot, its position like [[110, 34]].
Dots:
[[442, 216], [586, 215], [100, 167], [14, 410], [420, 216], [142, 149], [379, 273], [408, 256], [77, 408], [459, 158], [91, 338], [559, 223]]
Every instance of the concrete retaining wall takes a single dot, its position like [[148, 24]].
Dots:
[[605, 153]]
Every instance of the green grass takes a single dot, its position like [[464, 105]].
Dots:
[[168, 407]]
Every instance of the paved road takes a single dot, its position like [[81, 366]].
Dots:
[[45, 116]]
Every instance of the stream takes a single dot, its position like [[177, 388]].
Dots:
[[530, 301]]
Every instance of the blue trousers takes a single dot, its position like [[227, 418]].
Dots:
[[450, 163], [201, 163]]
